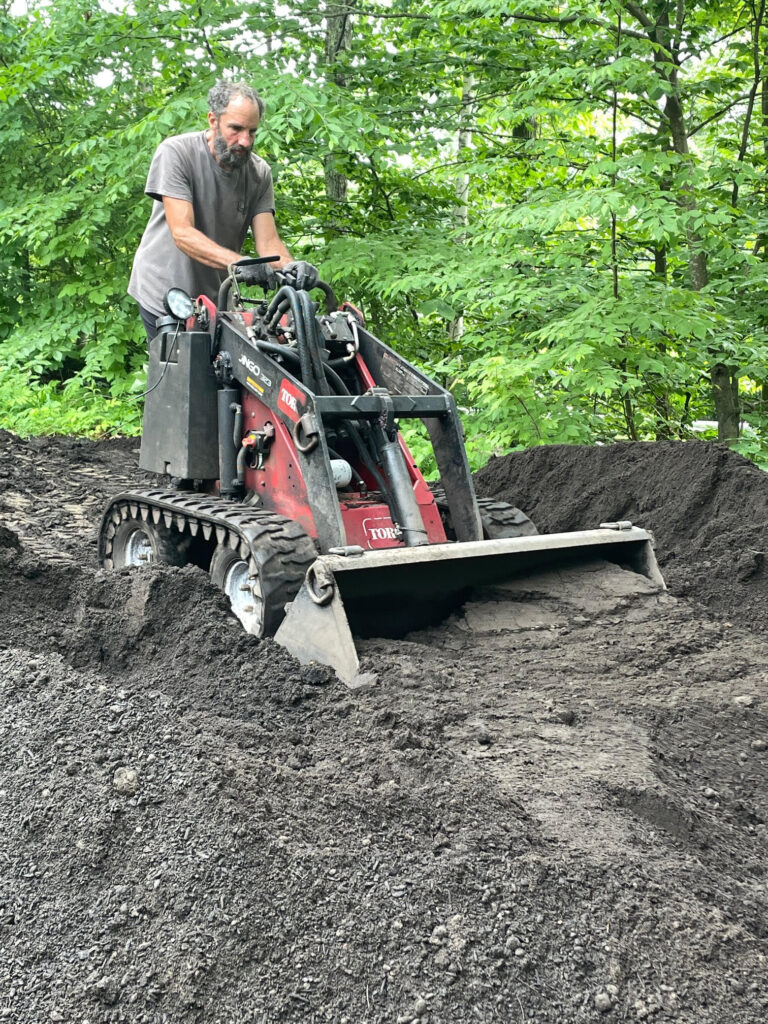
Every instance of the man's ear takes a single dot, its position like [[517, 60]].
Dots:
[[212, 120]]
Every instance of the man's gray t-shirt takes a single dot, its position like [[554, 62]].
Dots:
[[224, 205]]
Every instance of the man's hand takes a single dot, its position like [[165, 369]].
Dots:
[[257, 273], [301, 275]]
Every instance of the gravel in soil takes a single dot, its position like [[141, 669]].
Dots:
[[558, 816]]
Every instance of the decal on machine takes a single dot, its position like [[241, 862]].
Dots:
[[401, 379], [380, 532], [289, 399], [255, 370]]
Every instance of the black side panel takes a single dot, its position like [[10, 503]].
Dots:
[[180, 417]]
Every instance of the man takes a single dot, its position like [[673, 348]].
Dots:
[[209, 188]]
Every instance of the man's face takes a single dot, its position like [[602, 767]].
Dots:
[[233, 132]]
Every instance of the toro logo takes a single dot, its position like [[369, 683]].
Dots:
[[381, 533], [288, 400]]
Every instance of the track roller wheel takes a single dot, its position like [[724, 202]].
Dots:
[[232, 574], [144, 543]]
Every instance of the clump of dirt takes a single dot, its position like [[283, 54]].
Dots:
[[554, 817], [706, 505]]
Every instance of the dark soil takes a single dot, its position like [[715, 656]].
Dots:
[[562, 823], [707, 507]]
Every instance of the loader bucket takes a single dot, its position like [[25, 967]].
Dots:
[[392, 592]]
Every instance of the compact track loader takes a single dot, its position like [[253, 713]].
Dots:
[[299, 495]]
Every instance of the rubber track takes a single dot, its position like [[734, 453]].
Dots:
[[500, 519], [277, 549], [504, 516]]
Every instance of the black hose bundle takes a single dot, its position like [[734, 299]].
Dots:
[[308, 337], [314, 342], [287, 298]]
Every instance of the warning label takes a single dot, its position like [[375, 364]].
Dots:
[[401, 380]]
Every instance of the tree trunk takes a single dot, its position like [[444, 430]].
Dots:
[[629, 417], [660, 264], [725, 382], [760, 241], [725, 387], [456, 329], [338, 35]]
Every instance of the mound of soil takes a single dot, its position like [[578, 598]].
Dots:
[[561, 820], [706, 506]]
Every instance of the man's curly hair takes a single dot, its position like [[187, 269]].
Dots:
[[221, 95]]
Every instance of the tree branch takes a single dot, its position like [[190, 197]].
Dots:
[[714, 43], [718, 113], [679, 22], [352, 9], [570, 18], [640, 16], [653, 125], [206, 41]]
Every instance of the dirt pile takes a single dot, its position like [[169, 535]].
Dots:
[[706, 505], [556, 824]]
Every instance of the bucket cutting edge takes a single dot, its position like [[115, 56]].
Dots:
[[392, 592]]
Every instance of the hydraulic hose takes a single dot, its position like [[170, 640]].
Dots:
[[357, 478], [221, 301], [292, 354], [313, 341], [356, 435], [278, 350], [241, 457], [368, 461], [404, 506], [335, 380], [274, 313], [331, 302]]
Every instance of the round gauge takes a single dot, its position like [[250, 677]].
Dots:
[[179, 304]]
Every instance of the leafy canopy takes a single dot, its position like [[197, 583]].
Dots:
[[529, 190]]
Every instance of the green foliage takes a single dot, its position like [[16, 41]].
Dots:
[[539, 264], [29, 407]]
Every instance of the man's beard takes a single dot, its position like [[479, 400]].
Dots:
[[229, 157]]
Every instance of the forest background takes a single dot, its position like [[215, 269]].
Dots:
[[559, 210]]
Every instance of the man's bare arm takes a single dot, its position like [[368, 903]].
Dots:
[[180, 218], [268, 242]]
